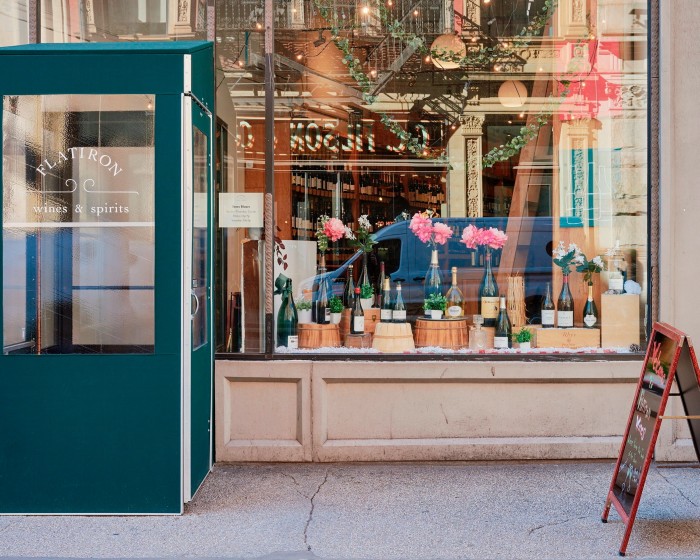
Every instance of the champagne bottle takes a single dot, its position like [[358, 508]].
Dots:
[[565, 306], [380, 286], [455, 299], [548, 309], [503, 336], [349, 290], [385, 315], [323, 312], [357, 320], [590, 311], [287, 319], [398, 315], [488, 293]]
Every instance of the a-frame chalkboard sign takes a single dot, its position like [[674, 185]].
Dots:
[[670, 356]]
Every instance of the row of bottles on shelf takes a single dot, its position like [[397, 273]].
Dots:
[[429, 188], [564, 310]]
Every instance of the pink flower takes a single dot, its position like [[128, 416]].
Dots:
[[334, 229], [471, 236], [442, 233], [422, 227], [494, 238]]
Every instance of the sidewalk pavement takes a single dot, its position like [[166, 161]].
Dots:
[[543, 510]]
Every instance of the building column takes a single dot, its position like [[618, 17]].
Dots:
[[472, 132]]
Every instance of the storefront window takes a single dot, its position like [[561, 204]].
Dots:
[[395, 117], [78, 224], [14, 24]]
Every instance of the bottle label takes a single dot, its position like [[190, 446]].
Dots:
[[548, 317], [327, 314], [293, 342], [590, 320], [385, 315], [399, 315], [615, 284], [500, 342], [358, 324], [489, 307], [454, 311], [565, 318]]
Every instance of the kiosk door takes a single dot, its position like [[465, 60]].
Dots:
[[197, 278], [106, 363]]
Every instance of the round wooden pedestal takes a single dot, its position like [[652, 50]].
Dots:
[[445, 333], [312, 335], [393, 337]]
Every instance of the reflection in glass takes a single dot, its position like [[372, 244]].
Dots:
[[78, 224]]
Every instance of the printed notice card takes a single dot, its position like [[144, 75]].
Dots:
[[241, 210]]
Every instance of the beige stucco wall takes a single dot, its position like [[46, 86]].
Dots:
[[383, 411], [679, 141]]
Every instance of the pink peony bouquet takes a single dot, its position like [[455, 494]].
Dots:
[[492, 238], [329, 229], [427, 232], [334, 229]]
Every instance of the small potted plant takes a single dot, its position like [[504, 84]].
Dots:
[[366, 296], [436, 304], [304, 311], [523, 338], [336, 305]]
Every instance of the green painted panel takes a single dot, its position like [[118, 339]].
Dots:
[[84, 434]]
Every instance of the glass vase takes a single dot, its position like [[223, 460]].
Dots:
[[433, 281]]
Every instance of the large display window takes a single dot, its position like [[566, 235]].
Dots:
[[487, 158]]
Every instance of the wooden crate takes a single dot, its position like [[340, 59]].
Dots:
[[566, 338], [371, 319], [358, 340], [619, 321]]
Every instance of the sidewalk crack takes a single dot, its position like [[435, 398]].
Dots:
[[554, 524], [311, 511], [676, 487]]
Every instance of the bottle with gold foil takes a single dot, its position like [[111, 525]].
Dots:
[[488, 293], [455, 299]]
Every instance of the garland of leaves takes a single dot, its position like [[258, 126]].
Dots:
[[479, 57]]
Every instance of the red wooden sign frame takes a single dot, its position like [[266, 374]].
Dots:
[[682, 344]]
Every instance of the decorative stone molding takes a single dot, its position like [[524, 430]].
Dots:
[[183, 11], [472, 124], [475, 203]]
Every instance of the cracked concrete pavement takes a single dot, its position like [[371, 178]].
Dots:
[[389, 511]]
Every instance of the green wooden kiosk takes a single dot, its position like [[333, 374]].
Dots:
[[106, 368]]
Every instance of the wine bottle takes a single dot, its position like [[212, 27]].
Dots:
[[380, 286], [565, 306], [287, 319], [433, 281], [617, 270], [590, 311], [504, 332], [323, 312], [385, 315], [488, 293], [548, 309], [349, 290], [398, 315], [455, 299], [357, 320]]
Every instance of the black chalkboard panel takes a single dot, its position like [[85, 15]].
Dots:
[[670, 356]]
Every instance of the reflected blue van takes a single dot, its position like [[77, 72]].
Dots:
[[406, 260]]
